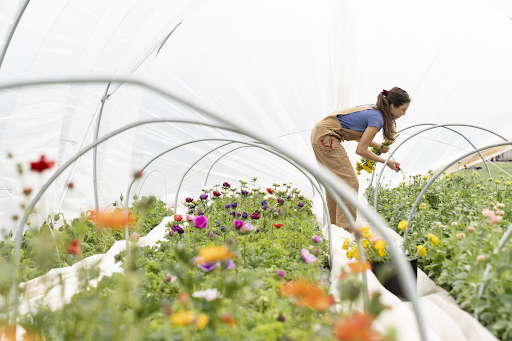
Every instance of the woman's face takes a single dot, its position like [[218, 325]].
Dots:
[[400, 111]]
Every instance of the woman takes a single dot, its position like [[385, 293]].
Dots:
[[361, 124]]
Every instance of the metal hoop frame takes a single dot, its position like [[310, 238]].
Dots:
[[325, 177], [415, 134], [147, 176]]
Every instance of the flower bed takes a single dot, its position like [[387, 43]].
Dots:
[[459, 224]]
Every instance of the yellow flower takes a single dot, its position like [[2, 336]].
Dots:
[[444, 172], [419, 187], [422, 249], [355, 253], [447, 176], [382, 253], [425, 177], [366, 234], [183, 317], [202, 321], [478, 186], [365, 243], [364, 228], [349, 254], [380, 245], [507, 183], [212, 254], [345, 244], [433, 238], [403, 225], [497, 181], [423, 196], [412, 204]]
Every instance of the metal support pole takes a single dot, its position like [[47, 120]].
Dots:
[[95, 151], [10, 33], [147, 176]]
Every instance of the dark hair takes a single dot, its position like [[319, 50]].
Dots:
[[397, 97]]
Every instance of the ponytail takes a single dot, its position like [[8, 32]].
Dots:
[[397, 97]]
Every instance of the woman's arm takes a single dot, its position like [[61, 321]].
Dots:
[[366, 141]]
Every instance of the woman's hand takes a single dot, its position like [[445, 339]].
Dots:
[[384, 149], [394, 165]]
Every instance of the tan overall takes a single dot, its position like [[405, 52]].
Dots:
[[326, 138]]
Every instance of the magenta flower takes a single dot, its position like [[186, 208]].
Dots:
[[247, 228], [225, 184], [317, 239], [281, 273], [189, 199], [317, 251], [307, 257], [230, 264], [203, 196], [238, 224], [280, 201], [300, 204], [255, 216], [201, 222], [217, 194], [209, 266]]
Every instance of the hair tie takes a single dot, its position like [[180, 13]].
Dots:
[[384, 92]]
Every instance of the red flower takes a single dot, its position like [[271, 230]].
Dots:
[[278, 225], [74, 247], [41, 165], [228, 319], [177, 217], [27, 191], [270, 190], [255, 216], [356, 327], [217, 194], [71, 185]]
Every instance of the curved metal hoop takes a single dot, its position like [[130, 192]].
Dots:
[[418, 199], [147, 176], [415, 134], [325, 177], [455, 131]]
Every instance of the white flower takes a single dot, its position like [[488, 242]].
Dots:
[[255, 189], [266, 197], [275, 184], [233, 189], [208, 294], [249, 192], [207, 189], [195, 201], [288, 185], [300, 196], [239, 192], [262, 191], [224, 191], [243, 182], [217, 185], [272, 196]]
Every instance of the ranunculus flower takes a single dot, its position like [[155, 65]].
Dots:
[[317, 239], [177, 217], [480, 258], [280, 201], [201, 222], [270, 190], [234, 205], [171, 233], [114, 220], [203, 196], [433, 238], [278, 226], [307, 257], [373, 239], [41, 165], [71, 185], [495, 219], [403, 225], [244, 215], [281, 273], [238, 224], [255, 216], [247, 227], [230, 264], [135, 237], [460, 235], [225, 184], [189, 199], [208, 294], [300, 204], [217, 194], [486, 212], [281, 318], [208, 266], [74, 247]]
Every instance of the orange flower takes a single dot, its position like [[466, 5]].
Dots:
[[307, 294], [356, 328], [228, 319], [212, 254], [112, 220], [355, 267]]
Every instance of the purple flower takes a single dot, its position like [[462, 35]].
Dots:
[[169, 278], [234, 205], [280, 201], [245, 192], [281, 318], [209, 266], [227, 206], [306, 256], [175, 228], [223, 228], [191, 211], [289, 197], [317, 239], [258, 230], [203, 196], [201, 222], [281, 273], [255, 216], [225, 184], [230, 264], [244, 215], [263, 203], [238, 224], [218, 222], [257, 211], [211, 235], [189, 199], [300, 204], [317, 251], [264, 207], [200, 213], [180, 230]]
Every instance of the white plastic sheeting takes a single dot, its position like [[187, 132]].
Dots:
[[277, 67]]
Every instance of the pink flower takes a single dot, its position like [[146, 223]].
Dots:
[[461, 235], [470, 228], [480, 258], [317, 239], [247, 227], [317, 251], [211, 235], [238, 224], [494, 219], [281, 273], [201, 222], [189, 217], [375, 238], [486, 212], [307, 257]]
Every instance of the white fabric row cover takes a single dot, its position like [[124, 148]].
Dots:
[[274, 66]]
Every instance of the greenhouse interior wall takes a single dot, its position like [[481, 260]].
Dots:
[[158, 180]]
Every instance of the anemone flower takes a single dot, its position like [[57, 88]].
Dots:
[[264, 203], [217, 194], [189, 199], [208, 294], [300, 204], [208, 266], [203, 196], [278, 226], [264, 207], [281, 273], [230, 264], [244, 215], [247, 227], [234, 205], [41, 165], [307, 257], [227, 206], [255, 216], [245, 192], [280, 201], [238, 224], [317, 239], [225, 184], [201, 222]]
